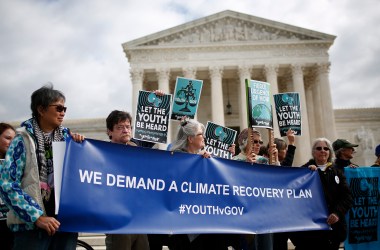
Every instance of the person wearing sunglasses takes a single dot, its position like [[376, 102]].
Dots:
[[250, 150], [26, 177], [344, 152], [338, 199], [252, 155]]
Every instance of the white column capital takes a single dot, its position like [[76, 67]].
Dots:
[[271, 69], [216, 71], [323, 68], [189, 72], [244, 70], [137, 75], [163, 74], [297, 69]]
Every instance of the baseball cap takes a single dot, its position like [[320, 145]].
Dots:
[[377, 150], [342, 143]]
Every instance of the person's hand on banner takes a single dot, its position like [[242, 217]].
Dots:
[[49, 224], [251, 158], [332, 219], [313, 167], [77, 137], [205, 154]]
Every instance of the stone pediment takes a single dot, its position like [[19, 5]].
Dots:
[[224, 28]]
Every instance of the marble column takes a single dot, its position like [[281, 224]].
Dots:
[[244, 73], [271, 71], [319, 128], [217, 104], [310, 105], [137, 77], [328, 118], [163, 76], [303, 141]]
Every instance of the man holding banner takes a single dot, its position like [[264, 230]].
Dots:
[[119, 130]]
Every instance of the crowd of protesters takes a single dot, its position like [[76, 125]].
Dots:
[[27, 203]]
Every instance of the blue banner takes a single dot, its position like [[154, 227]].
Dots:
[[113, 188], [363, 217]]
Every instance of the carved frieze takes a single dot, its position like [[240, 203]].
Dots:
[[228, 29]]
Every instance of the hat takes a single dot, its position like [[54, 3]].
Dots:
[[377, 150], [342, 143]]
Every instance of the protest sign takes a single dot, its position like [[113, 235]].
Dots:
[[258, 104], [186, 97], [152, 117], [218, 139], [363, 217], [288, 110]]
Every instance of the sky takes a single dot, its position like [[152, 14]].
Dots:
[[76, 45]]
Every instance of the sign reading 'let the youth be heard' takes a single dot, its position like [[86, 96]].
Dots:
[[363, 222], [152, 117], [288, 110], [218, 140], [114, 188]]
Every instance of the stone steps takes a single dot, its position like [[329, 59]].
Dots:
[[96, 241]]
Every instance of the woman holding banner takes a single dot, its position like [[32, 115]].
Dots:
[[338, 200], [250, 148], [27, 175], [190, 139]]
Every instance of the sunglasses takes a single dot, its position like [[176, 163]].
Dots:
[[258, 142], [324, 148], [59, 108]]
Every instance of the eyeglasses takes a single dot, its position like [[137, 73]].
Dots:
[[324, 148], [121, 127], [59, 108], [258, 142]]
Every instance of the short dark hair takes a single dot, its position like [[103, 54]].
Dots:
[[43, 97], [117, 116], [4, 126], [280, 143]]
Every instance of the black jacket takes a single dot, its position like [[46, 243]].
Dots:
[[339, 201], [341, 164]]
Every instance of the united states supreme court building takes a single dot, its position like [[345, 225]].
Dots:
[[228, 47]]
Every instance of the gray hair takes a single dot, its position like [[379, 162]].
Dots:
[[43, 97], [338, 152], [243, 138], [186, 129], [328, 143]]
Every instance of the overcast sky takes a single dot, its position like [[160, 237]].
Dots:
[[76, 45]]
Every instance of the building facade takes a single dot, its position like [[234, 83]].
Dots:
[[226, 48]]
